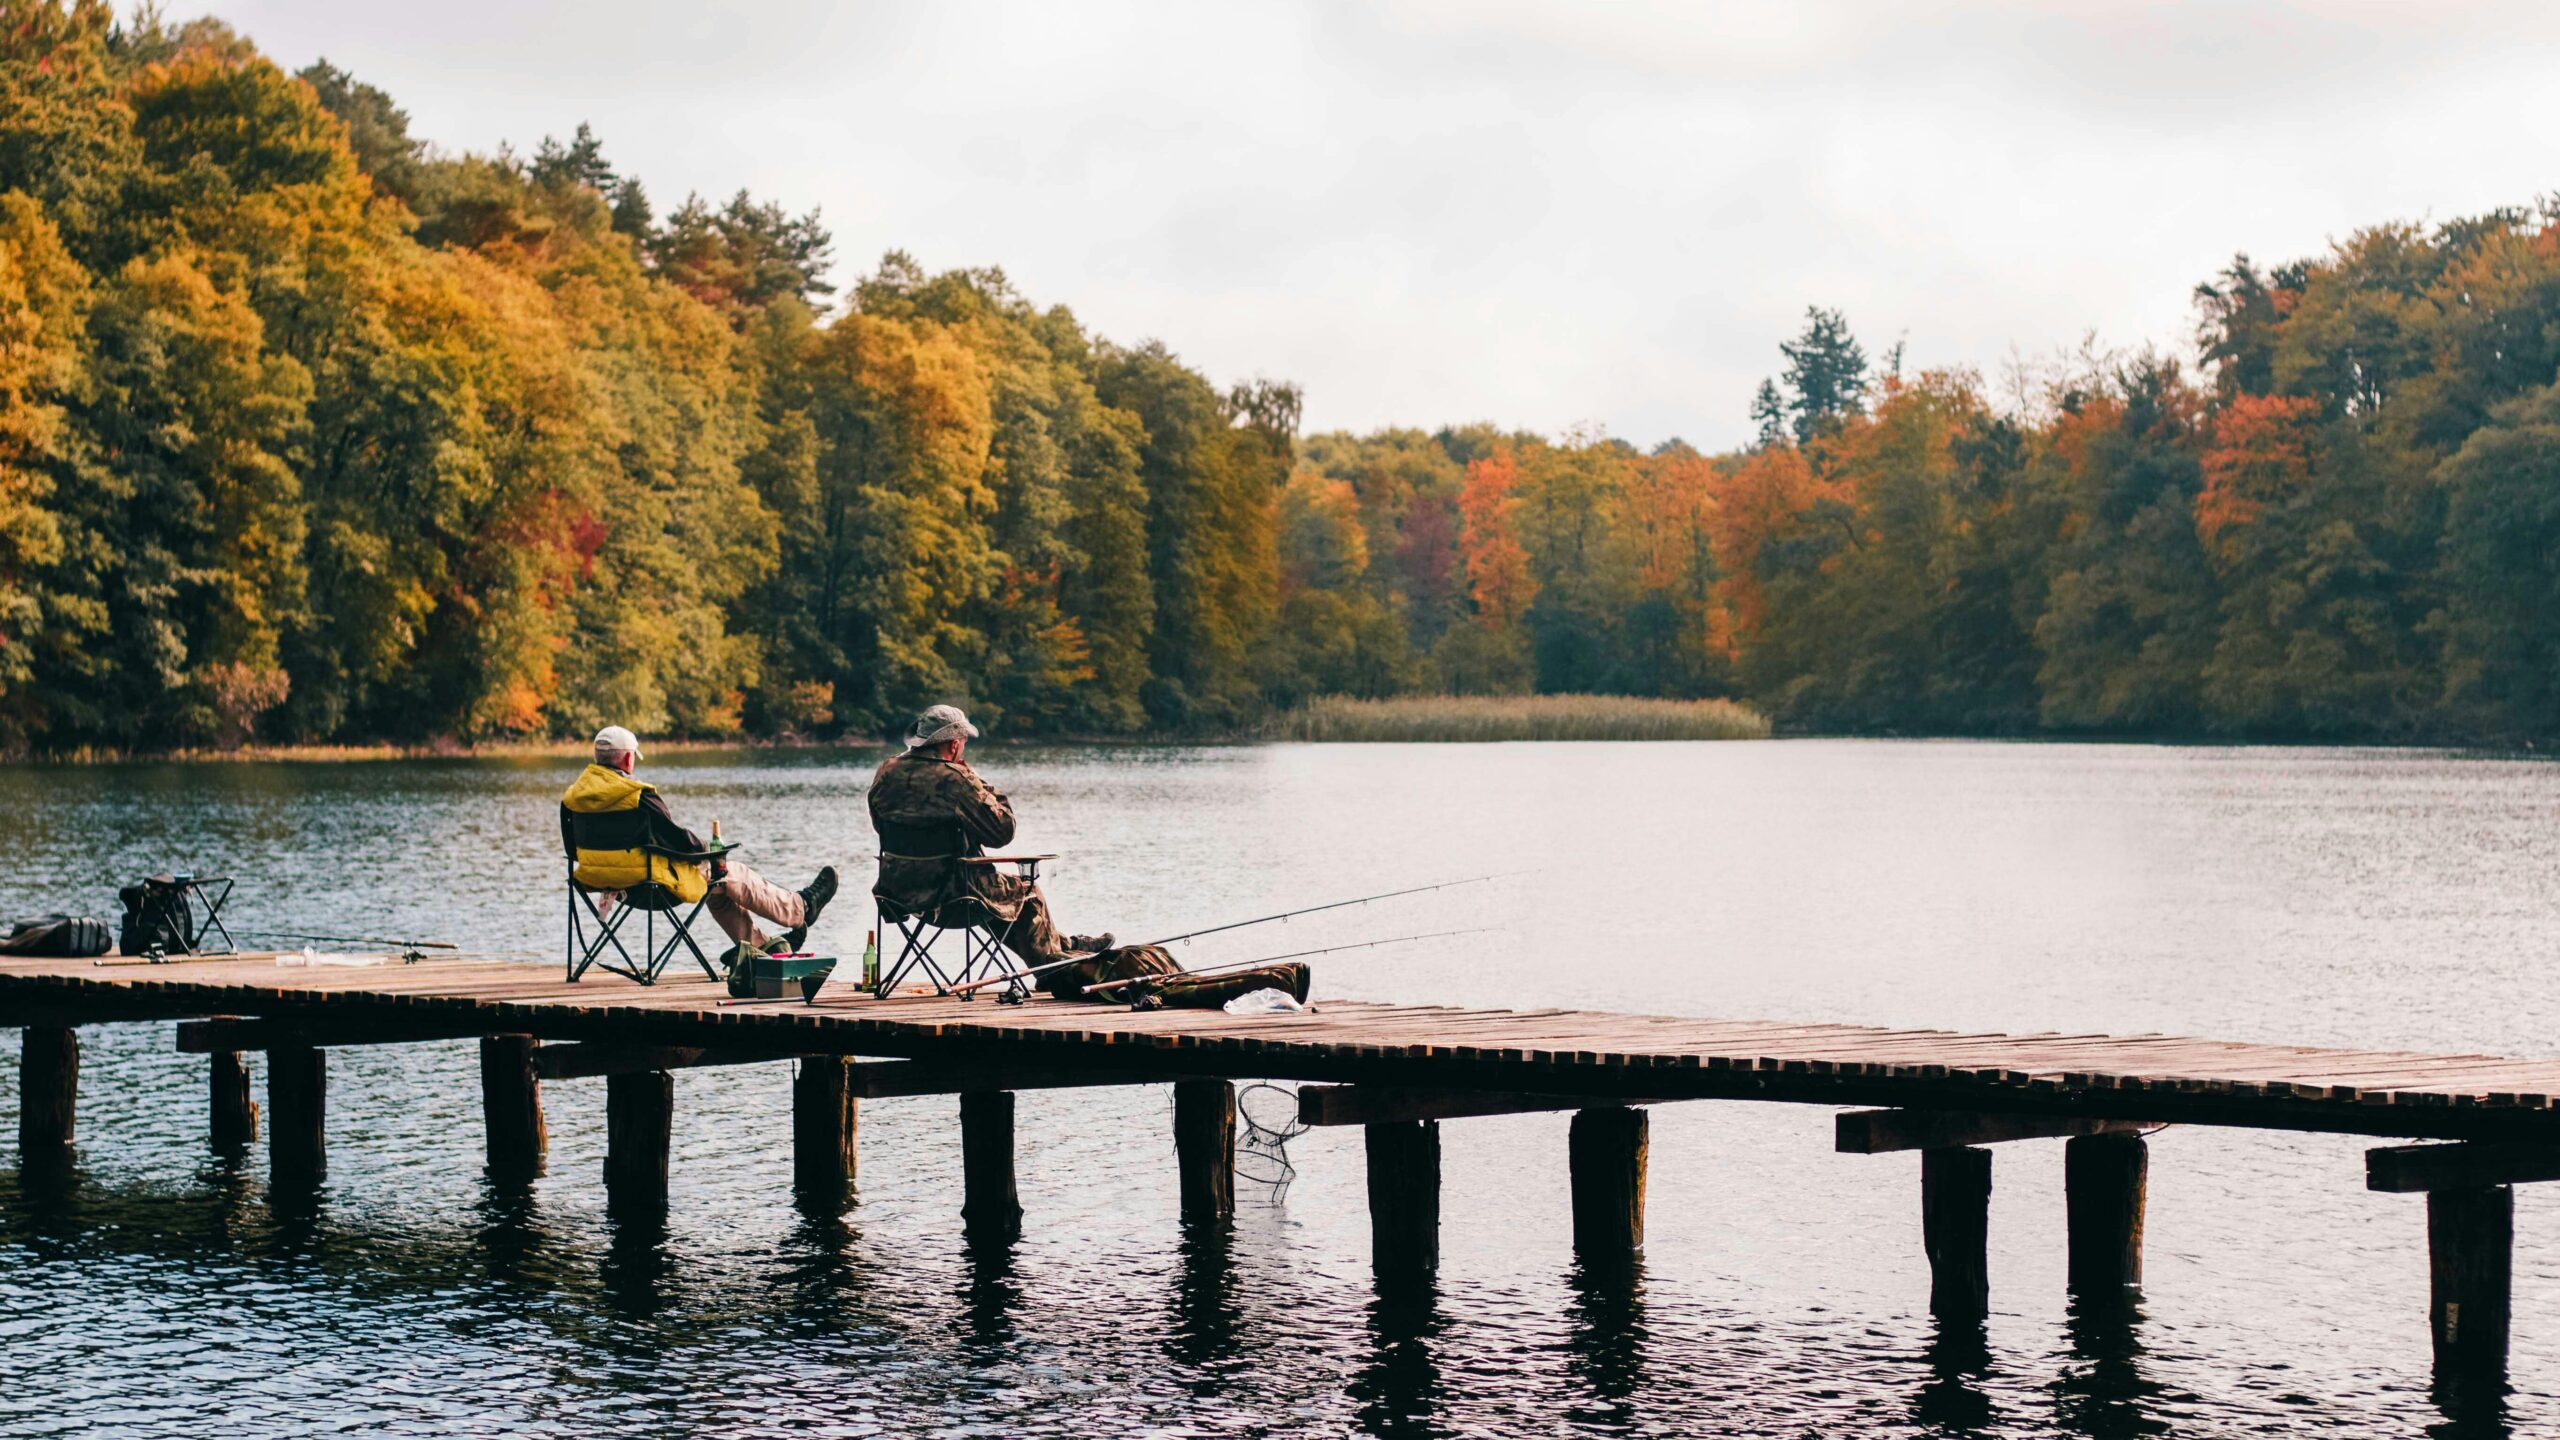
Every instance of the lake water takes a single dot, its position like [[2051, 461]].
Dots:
[[2390, 899]]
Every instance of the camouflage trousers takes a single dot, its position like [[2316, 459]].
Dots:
[[1167, 980], [1033, 935]]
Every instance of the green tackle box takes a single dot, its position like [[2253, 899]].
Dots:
[[771, 977]]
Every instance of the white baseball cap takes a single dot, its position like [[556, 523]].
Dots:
[[613, 740]]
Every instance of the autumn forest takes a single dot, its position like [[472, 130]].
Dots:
[[312, 431]]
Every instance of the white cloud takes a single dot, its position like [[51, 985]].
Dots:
[[1537, 213]]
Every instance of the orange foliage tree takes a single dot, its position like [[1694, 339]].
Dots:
[[2260, 455], [1489, 536]]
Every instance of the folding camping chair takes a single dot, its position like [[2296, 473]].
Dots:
[[921, 939], [185, 907], [603, 947]]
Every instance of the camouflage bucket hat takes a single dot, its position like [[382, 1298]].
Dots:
[[942, 722]]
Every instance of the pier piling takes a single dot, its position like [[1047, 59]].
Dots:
[[1955, 1227], [1606, 1154], [826, 1121], [639, 1123], [1404, 1197], [48, 1094], [991, 1206], [2470, 1260], [2105, 1180], [297, 1114], [1204, 1144], [235, 1114], [511, 1108]]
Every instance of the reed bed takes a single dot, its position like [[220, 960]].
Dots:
[[1470, 718], [431, 750]]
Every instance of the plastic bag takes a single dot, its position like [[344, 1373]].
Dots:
[[1263, 1002]]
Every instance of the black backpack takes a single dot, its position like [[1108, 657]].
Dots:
[[67, 936], [156, 916]]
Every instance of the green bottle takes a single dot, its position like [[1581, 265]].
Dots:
[[870, 959]]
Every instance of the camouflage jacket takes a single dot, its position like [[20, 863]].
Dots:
[[928, 813]]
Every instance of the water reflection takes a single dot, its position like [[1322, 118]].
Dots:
[[1206, 1318], [638, 1263], [294, 1206], [509, 1236], [2475, 1404], [1398, 1387], [1606, 1340], [2102, 1391], [1955, 1399], [990, 1291]]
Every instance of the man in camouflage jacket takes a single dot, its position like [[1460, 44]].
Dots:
[[931, 811]]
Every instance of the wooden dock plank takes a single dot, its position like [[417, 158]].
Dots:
[[1543, 1051]]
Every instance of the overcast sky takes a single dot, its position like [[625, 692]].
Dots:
[[1541, 214]]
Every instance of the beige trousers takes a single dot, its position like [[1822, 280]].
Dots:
[[738, 900]]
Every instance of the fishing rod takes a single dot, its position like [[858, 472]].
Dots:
[[976, 985], [1273, 960], [349, 940], [1336, 905]]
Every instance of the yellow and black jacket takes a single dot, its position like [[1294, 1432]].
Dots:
[[609, 824]]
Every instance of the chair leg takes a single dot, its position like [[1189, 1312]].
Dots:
[[915, 949], [585, 953], [684, 935], [612, 935]]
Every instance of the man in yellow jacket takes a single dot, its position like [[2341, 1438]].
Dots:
[[613, 827]]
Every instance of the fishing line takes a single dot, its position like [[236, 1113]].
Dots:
[[1335, 905]]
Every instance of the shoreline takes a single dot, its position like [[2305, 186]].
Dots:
[[570, 749]]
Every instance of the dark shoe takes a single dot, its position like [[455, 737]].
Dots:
[[733, 969], [1091, 944], [813, 900]]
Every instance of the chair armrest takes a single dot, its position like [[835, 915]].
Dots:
[[691, 857]]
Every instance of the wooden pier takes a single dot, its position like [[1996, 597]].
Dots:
[[1397, 1070]]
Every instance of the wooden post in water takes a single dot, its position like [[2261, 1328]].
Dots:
[[511, 1108], [2105, 1179], [235, 1115], [990, 1204], [639, 1122], [1606, 1151], [826, 1125], [1955, 1227], [1404, 1197], [297, 1114], [2470, 1258], [1204, 1144], [48, 1095]]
